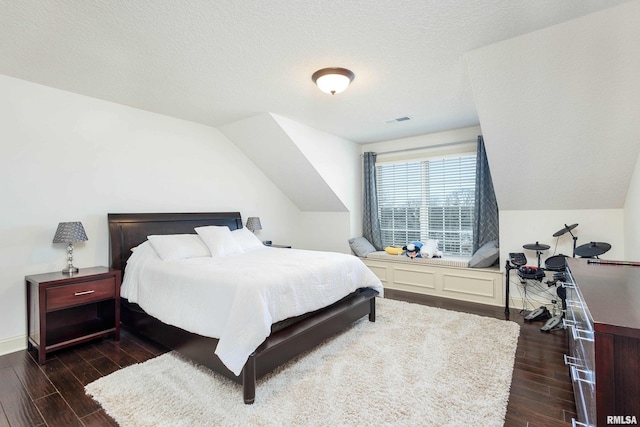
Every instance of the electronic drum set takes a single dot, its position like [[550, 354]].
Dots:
[[556, 264]]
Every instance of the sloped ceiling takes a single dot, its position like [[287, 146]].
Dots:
[[218, 62], [559, 110], [264, 141], [557, 104]]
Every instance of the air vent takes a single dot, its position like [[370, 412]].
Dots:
[[399, 119]]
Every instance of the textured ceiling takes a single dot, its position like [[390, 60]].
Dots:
[[217, 62], [559, 110]]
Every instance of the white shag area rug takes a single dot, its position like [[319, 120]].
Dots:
[[415, 366]]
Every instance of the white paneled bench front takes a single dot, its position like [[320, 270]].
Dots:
[[448, 277]]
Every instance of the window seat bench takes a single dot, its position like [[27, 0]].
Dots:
[[448, 277]]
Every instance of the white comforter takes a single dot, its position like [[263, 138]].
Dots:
[[237, 298]]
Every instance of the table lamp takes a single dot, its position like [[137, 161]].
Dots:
[[69, 233], [253, 224]]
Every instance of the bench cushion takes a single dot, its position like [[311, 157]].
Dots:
[[448, 261]]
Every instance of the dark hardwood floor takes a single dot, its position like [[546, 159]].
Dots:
[[53, 394]]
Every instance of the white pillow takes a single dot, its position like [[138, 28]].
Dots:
[[219, 240], [246, 239], [178, 246]]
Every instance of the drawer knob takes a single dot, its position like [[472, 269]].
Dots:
[[84, 292]]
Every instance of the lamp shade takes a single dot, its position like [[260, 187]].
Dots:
[[333, 80], [253, 223], [70, 232]]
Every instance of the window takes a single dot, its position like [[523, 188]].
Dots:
[[428, 199]]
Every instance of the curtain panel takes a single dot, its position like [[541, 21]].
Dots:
[[486, 226], [370, 220]]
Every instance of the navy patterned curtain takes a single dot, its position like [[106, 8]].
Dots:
[[486, 226], [370, 220]]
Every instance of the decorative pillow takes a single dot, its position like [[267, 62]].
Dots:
[[178, 246], [219, 240], [486, 255], [361, 246], [246, 239]]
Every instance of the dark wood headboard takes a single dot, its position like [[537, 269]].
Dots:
[[128, 230]]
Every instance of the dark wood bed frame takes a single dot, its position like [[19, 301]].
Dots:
[[298, 335]]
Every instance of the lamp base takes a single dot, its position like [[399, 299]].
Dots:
[[70, 270]]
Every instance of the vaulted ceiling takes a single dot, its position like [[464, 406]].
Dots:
[[216, 62], [551, 82]]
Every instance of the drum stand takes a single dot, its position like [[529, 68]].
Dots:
[[508, 267], [567, 229], [538, 253], [575, 239], [538, 247]]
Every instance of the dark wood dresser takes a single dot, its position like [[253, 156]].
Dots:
[[603, 321]]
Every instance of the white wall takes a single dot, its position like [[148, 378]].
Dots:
[[632, 217], [339, 163], [324, 231], [415, 143], [67, 157]]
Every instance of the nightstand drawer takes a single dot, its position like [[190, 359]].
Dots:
[[80, 293]]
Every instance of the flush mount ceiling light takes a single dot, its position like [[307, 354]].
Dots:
[[333, 80]]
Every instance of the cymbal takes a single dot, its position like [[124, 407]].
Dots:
[[592, 249], [536, 246], [566, 229]]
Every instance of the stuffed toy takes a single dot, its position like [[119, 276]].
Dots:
[[430, 249], [412, 250]]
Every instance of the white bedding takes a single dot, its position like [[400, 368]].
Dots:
[[237, 298]]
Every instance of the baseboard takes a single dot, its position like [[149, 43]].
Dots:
[[11, 345], [515, 302]]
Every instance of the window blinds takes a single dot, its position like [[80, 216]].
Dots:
[[428, 199]]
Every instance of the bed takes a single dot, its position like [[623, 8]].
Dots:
[[288, 338]]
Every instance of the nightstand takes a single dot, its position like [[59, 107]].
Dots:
[[64, 310]]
